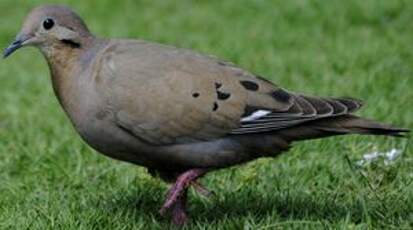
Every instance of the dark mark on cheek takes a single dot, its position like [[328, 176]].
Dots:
[[71, 43]]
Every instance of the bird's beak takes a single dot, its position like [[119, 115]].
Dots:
[[19, 42]]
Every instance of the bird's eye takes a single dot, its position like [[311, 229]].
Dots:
[[48, 23]]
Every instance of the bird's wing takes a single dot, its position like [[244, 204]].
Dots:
[[163, 95]]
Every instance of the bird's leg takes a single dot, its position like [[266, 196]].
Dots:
[[178, 210], [176, 198]]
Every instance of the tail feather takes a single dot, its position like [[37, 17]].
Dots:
[[348, 124], [354, 124]]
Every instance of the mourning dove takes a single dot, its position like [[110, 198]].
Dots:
[[176, 112]]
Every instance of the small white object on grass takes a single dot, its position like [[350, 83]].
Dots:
[[388, 157], [371, 156], [393, 154]]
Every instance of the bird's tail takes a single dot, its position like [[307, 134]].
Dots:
[[347, 124]]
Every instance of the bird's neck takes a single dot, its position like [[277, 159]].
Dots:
[[66, 63], [63, 63], [63, 54]]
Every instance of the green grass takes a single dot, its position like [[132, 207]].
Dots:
[[50, 179]]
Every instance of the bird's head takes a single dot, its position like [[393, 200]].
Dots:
[[50, 28]]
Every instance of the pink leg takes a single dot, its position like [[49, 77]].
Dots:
[[176, 198], [179, 216]]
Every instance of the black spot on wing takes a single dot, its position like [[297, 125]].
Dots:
[[281, 95], [215, 107], [195, 95], [250, 85], [222, 95]]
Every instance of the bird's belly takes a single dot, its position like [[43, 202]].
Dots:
[[111, 141], [108, 140]]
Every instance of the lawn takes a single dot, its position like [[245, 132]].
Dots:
[[50, 179]]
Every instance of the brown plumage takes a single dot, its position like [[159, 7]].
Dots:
[[178, 113]]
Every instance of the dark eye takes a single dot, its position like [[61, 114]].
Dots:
[[48, 23]]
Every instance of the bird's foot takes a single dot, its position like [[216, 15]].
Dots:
[[178, 211], [176, 198]]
